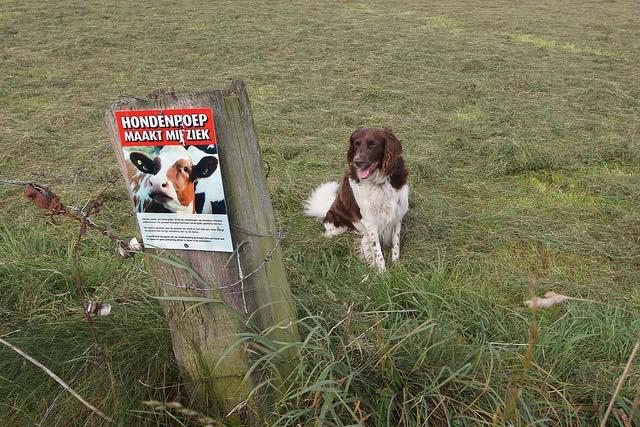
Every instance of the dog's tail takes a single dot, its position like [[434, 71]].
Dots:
[[321, 200]]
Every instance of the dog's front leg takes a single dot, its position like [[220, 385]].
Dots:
[[395, 242], [370, 246], [376, 249], [364, 251]]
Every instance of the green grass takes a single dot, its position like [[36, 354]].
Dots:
[[520, 127]]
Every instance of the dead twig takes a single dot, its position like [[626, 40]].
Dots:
[[46, 199], [518, 379], [625, 372], [56, 378]]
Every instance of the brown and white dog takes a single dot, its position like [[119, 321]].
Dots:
[[372, 198]]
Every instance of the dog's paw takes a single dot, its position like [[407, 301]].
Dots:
[[379, 265], [331, 230]]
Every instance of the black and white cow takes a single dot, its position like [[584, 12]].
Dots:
[[209, 191], [168, 182]]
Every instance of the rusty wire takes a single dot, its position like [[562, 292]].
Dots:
[[45, 199]]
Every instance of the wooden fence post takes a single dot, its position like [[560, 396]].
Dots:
[[203, 333]]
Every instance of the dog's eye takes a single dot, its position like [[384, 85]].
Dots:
[[370, 144]]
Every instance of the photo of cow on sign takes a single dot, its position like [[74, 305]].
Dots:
[[175, 179], [172, 167]]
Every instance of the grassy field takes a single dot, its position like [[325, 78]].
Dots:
[[520, 124]]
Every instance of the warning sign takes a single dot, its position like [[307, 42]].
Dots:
[[191, 126], [173, 167]]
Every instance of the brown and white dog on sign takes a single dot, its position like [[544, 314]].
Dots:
[[372, 198]]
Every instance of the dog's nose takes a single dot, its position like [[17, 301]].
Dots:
[[358, 163]]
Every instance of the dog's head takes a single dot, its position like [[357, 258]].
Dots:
[[372, 149]]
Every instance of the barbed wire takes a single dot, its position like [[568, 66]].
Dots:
[[267, 258], [83, 169], [278, 235], [79, 213]]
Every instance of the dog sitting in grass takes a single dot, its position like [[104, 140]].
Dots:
[[372, 197]]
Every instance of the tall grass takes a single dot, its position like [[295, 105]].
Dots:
[[429, 349], [519, 127], [406, 348], [131, 362]]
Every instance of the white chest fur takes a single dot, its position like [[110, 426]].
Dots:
[[381, 205]]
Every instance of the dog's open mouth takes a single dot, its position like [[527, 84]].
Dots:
[[364, 173]]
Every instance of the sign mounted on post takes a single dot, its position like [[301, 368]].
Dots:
[[173, 167], [255, 285]]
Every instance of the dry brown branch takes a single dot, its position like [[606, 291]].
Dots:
[[56, 378], [518, 379], [46, 199], [625, 372]]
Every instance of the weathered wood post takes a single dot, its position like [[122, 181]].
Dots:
[[253, 285]]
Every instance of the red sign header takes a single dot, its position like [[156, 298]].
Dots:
[[185, 126]]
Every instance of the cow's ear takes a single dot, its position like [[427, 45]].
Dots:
[[143, 163], [205, 167]]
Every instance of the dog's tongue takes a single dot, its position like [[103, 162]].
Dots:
[[363, 174]]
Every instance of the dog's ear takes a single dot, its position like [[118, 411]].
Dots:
[[392, 150]]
